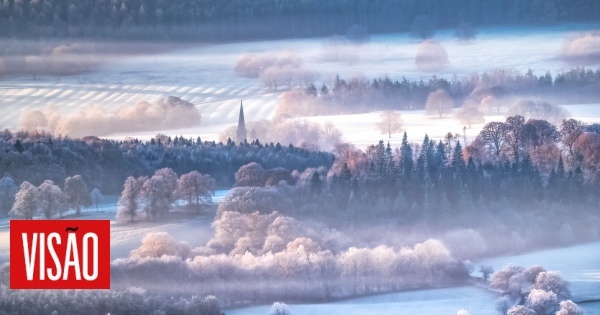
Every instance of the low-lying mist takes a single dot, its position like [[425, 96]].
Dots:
[[582, 49], [94, 120]]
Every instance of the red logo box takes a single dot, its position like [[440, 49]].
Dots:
[[60, 254]]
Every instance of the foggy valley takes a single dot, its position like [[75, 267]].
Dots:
[[301, 157]]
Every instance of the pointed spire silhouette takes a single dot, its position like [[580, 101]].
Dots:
[[241, 129]]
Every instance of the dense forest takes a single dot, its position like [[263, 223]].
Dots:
[[219, 20], [331, 233], [104, 164]]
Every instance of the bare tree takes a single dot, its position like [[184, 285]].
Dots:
[[438, 103], [570, 130], [493, 135], [514, 134], [390, 122], [271, 78], [470, 114]]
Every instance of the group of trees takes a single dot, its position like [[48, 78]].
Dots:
[[287, 266], [509, 174], [47, 199], [105, 164], [487, 92], [153, 197], [518, 138], [126, 301], [532, 291], [212, 20]]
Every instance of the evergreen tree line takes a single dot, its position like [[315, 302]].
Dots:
[[105, 164], [536, 196], [357, 94], [218, 20], [433, 182]]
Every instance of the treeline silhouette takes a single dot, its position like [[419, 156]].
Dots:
[[105, 164], [357, 94], [218, 20]]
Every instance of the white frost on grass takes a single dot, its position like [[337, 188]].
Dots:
[[579, 265], [434, 301]]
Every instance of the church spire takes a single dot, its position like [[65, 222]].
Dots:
[[241, 129]]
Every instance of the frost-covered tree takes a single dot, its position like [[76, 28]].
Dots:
[[154, 197], [26, 202], [252, 174], [552, 281], [197, 189], [390, 122], [569, 308], [97, 197], [520, 310], [8, 189], [470, 114], [501, 279], [169, 179], [51, 199], [438, 103], [76, 193], [128, 206], [252, 199], [532, 273], [542, 302], [158, 244], [280, 308], [358, 265]]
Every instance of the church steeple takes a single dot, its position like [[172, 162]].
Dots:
[[241, 129]]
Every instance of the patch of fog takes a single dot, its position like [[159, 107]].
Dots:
[[204, 74]]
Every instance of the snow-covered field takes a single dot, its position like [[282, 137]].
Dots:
[[579, 264], [439, 301], [204, 75]]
